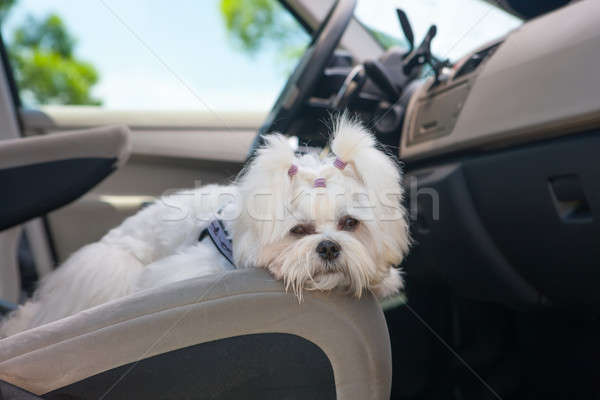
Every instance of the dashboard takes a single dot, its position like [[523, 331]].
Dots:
[[500, 158], [539, 81]]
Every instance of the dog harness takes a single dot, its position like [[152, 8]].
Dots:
[[218, 234]]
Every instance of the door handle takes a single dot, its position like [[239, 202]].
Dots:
[[569, 198]]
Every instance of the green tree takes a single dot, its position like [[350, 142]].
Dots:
[[252, 23], [46, 68], [256, 24], [5, 6]]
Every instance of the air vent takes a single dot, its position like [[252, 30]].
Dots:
[[476, 59]]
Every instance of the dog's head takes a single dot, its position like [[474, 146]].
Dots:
[[324, 223]]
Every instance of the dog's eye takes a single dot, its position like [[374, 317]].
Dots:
[[348, 223], [302, 229]]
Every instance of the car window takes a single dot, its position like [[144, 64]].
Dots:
[[132, 55], [462, 25]]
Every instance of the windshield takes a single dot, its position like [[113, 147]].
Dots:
[[462, 25], [224, 55]]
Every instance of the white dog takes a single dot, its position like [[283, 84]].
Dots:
[[314, 223]]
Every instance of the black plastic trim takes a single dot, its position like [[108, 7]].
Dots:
[[502, 234], [11, 392], [454, 246], [250, 367], [32, 190]]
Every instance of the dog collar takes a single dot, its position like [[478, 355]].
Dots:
[[219, 236]]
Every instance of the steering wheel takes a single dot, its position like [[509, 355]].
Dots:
[[307, 72]]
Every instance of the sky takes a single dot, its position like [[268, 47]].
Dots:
[[152, 55]]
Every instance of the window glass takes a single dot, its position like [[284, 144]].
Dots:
[[152, 54], [462, 25]]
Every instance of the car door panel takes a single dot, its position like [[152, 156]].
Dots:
[[42, 173], [192, 151]]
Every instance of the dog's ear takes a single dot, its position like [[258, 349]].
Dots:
[[356, 150], [269, 170], [353, 144], [276, 156], [265, 186]]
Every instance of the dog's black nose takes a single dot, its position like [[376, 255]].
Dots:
[[328, 250]]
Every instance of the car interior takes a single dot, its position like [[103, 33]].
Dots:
[[502, 188]]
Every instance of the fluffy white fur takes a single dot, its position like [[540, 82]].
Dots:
[[159, 244]]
